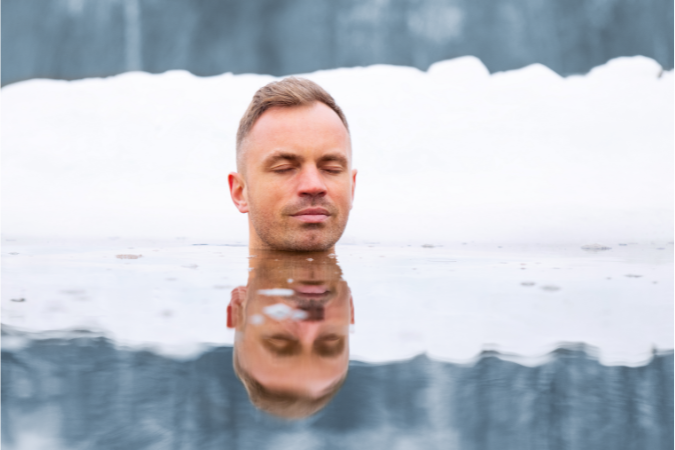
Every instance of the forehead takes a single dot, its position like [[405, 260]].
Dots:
[[307, 129]]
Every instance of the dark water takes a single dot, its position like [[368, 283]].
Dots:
[[71, 39], [84, 393]]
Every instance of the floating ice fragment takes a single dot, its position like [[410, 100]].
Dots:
[[256, 319], [299, 314], [19, 300], [278, 311], [427, 246], [550, 288], [129, 256], [631, 275], [527, 283], [191, 266], [13, 253], [276, 292], [595, 247]]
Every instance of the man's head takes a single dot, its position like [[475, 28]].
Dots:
[[294, 162], [291, 348]]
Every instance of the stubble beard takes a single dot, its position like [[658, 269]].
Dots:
[[282, 232]]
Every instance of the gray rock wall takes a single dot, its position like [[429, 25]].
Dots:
[[85, 393], [70, 39]]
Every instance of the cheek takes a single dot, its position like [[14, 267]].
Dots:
[[265, 196], [343, 193]]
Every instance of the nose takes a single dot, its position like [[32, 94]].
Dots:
[[311, 183]]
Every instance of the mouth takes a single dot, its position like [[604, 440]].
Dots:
[[312, 215], [312, 292]]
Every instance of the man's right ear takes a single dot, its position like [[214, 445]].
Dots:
[[237, 188], [235, 310]]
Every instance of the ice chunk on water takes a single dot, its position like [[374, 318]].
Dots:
[[256, 319], [595, 247], [550, 288], [299, 314], [278, 311], [276, 292]]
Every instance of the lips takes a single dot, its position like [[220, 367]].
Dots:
[[311, 289], [312, 215], [313, 292]]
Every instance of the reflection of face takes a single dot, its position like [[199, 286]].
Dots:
[[306, 352], [299, 184]]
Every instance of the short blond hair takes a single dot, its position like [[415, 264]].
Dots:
[[291, 91]]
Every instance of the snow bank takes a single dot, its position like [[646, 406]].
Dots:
[[452, 154]]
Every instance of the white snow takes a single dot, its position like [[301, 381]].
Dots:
[[448, 155]]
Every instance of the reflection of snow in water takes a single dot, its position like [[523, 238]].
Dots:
[[448, 302], [278, 311], [276, 292], [452, 154]]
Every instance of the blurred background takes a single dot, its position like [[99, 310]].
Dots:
[[72, 39]]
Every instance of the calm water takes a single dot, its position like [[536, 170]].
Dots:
[[125, 344]]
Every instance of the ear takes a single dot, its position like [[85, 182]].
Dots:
[[238, 191], [235, 310], [351, 307]]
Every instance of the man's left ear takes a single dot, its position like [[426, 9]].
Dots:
[[351, 307]]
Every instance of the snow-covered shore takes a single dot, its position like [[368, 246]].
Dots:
[[449, 155]]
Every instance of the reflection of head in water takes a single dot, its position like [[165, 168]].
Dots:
[[292, 321]]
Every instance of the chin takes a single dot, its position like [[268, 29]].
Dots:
[[310, 244], [308, 238]]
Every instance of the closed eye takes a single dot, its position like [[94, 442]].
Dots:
[[333, 170], [283, 169]]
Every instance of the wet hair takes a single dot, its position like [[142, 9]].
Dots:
[[291, 91], [283, 404]]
